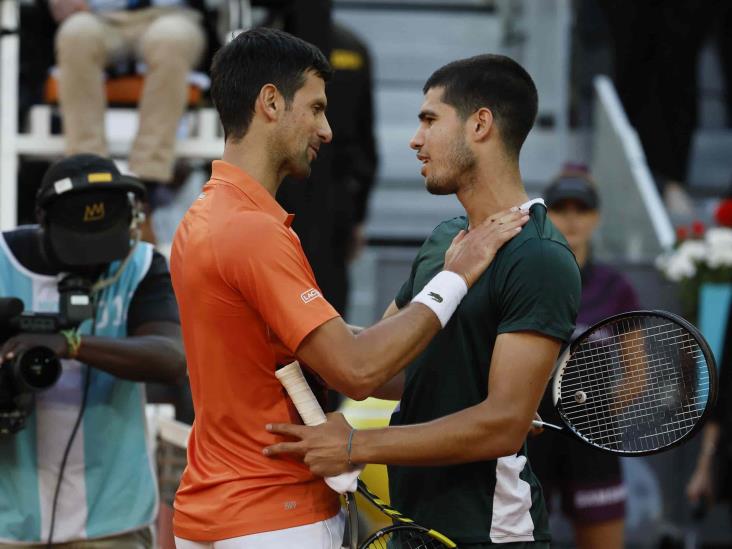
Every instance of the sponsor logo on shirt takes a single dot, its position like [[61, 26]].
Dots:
[[436, 297], [308, 295]]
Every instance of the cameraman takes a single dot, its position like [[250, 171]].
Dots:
[[80, 470]]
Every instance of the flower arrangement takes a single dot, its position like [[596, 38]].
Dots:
[[700, 256]]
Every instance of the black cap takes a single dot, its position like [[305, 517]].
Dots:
[[82, 172], [87, 209], [571, 187]]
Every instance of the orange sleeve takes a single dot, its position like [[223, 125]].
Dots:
[[265, 262]]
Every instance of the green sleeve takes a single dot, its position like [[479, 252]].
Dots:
[[405, 293], [538, 289]]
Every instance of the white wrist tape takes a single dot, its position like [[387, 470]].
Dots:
[[443, 294]]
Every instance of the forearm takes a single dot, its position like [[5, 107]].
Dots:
[[383, 350], [710, 437], [356, 365], [141, 358], [474, 434]]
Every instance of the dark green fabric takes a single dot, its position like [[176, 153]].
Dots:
[[532, 284]]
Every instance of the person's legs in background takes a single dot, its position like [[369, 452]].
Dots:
[[593, 497], [84, 45], [170, 47]]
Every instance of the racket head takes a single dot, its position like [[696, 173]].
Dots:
[[404, 532], [405, 536], [636, 383]]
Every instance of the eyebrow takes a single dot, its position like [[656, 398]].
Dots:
[[426, 114]]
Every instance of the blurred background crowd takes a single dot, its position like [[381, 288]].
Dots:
[[632, 150]]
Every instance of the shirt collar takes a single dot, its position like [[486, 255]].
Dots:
[[223, 171], [527, 205]]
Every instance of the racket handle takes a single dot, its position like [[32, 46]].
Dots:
[[544, 425], [301, 394], [312, 414]]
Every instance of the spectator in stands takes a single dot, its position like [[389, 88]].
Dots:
[[656, 47], [166, 35], [589, 482], [331, 208], [80, 470]]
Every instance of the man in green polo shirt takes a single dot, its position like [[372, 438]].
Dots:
[[455, 447]]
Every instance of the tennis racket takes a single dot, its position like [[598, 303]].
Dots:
[[634, 384], [404, 533]]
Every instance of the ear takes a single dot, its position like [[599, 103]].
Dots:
[[270, 102], [481, 124]]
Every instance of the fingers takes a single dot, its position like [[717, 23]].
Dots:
[[507, 220], [10, 349], [292, 448], [504, 216], [510, 228], [287, 429]]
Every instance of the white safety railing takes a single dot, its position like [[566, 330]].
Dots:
[[635, 225]]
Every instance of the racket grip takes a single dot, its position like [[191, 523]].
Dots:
[[312, 414]]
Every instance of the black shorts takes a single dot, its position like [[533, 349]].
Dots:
[[589, 482]]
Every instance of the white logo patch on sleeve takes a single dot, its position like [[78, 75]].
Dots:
[[308, 295]]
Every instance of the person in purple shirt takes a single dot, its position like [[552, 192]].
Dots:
[[589, 482]]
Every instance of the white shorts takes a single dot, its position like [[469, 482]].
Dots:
[[326, 534]]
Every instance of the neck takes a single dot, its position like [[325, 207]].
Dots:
[[582, 254], [252, 156], [487, 191]]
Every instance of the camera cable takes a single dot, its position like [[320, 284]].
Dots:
[[67, 450]]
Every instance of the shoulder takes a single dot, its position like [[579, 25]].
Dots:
[[540, 258], [536, 261], [538, 235], [250, 229]]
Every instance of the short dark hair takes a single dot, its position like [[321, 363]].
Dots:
[[496, 82], [253, 59]]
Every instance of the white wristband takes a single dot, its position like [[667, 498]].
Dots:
[[443, 294]]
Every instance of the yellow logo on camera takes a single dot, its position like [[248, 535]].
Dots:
[[94, 212]]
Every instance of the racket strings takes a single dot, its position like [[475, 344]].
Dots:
[[645, 382], [631, 382]]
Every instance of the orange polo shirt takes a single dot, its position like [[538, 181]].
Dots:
[[247, 299]]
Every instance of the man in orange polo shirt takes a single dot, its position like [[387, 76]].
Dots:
[[249, 302]]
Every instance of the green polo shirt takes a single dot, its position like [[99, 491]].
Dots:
[[533, 284]]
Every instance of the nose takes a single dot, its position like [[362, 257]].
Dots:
[[417, 141], [325, 133]]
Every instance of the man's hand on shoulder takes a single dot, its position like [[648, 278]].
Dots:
[[470, 253]]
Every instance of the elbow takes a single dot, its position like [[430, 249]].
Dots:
[[503, 438], [357, 384], [513, 439], [178, 368], [356, 389], [173, 364]]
